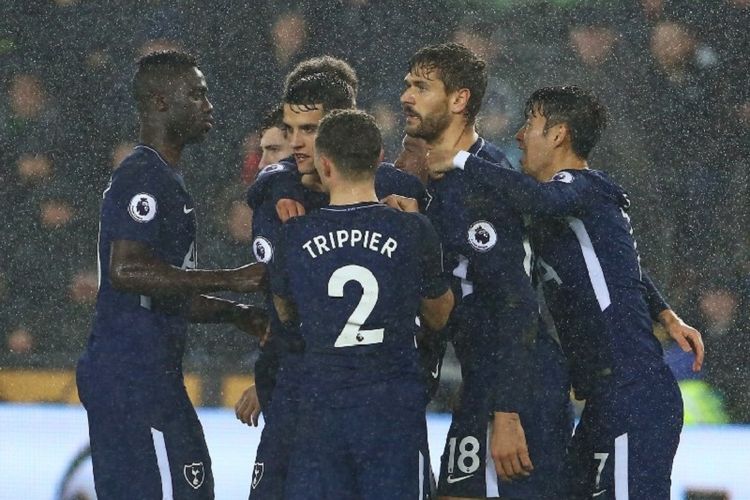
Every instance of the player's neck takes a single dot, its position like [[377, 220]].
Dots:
[[565, 160], [458, 135], [350, 193], [167, 149]]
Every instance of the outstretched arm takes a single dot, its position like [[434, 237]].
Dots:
[[557, 198], [134, 268]]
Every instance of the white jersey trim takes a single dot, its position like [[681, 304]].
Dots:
[[594, 267], [621, 467], [421, 477], [490, 473], [460, 271], [162, 459]]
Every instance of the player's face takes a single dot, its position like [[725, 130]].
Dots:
[[191, 111], [274, 146], [301, 123], [425, 104], [536, 145]]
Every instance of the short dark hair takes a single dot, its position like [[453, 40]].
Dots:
[[273, 118], [324, 64], [579, 109], [352, 140], [155, 69], [458, 68], [320, 88]]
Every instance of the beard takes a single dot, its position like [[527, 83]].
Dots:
[[429, 127]]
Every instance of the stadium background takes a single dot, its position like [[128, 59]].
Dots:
[[673, 74]]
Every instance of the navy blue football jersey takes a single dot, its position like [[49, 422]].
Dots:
[[146, 201], [487, 251], [357, 274], [589, 268], [282, 180]]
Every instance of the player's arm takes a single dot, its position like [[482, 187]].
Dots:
[[249, 319], [280, 184], [287, 195], [286, 310], [564, 195], [687, 337], [437, 297], [134, 268], [435, 312], [512, 391]]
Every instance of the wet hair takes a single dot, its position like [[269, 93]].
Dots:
[[155, 70], [320, 89], [273, 118], [352, 140], [458, 68], [324, 64], [578, 108]]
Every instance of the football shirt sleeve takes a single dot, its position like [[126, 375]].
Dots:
[[655, 300], [566, 193], [434, 280], [134, 209], [278, 269]]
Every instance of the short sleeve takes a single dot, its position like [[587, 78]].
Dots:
[[133, 208]]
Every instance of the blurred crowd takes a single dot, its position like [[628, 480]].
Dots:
[[672, 73]]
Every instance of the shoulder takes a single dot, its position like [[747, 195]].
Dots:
[[275, 168], [594, 182], [138, 171], [259, 190], [391, 180], [490, 152]]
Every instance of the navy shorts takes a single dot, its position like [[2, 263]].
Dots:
[[371, 452], [122, 412], [625, 443], [277, 439], [467, 468]]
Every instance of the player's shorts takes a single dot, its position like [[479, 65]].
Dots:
[[467, 468], [625, 443], [277, 439], [121, 414], [370, 452]]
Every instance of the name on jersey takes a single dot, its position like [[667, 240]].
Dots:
[[350, 238]]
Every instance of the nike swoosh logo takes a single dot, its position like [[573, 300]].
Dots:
[[187, 210], [597, 494], [436, 373], [452, 480]]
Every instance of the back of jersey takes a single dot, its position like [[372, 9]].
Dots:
[[357, 274]]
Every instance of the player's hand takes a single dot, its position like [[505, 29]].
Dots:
[[687, 337], [439, 161], [252, 320], [247, 408], [509, 449], [402, 203], [286, 208], [249, 278]]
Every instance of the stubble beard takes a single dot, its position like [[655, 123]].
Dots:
[[430, 127]]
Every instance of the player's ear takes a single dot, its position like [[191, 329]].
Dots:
[[382, 155], [561, 134], [460, 100], [159, 101], [325, 166]]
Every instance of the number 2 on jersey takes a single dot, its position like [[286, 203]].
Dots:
[[352, 333]]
